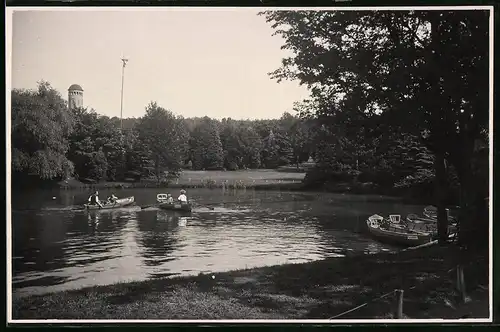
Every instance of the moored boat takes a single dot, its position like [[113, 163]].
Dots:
[[430, 212], [119, 203], [391, 231], [176, 207], [427, 224]]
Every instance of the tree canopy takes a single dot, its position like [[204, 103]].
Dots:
[[421, 73], [41, 127], [164, 139]]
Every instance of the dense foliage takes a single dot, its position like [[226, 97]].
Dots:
[[40, 132], [416, 80], [163, 139], [160, 144], [51, 142]]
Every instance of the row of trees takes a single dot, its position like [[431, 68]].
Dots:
[[49, 141], [390, 79]]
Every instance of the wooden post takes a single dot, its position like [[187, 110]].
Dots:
[[461, 283], [358, 229], [399, 303]]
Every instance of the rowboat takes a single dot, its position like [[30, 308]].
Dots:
[[430, 212], [427, 224], [119, 203], [175, 207], [391, 231]]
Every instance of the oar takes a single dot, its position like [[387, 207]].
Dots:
[[198, 204], [206, 205], [80, 207], [148, 206]]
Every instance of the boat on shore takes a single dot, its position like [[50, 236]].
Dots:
[[392, 231], [119, 203], [430, 212], [427, 224]]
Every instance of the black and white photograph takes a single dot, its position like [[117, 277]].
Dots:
[[258, 164]]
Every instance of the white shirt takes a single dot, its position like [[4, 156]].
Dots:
[[183, 198]]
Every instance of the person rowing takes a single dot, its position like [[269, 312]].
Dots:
[[182, 197], [94, 199]]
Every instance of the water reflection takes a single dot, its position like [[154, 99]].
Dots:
[[183, 221], [38, 243], [155, 238], [93, 221], [62, 249]]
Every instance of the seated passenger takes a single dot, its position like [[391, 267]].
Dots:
[[112, 198], [170, 199]]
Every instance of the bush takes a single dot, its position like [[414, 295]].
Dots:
[[134, 175], [233, 166]]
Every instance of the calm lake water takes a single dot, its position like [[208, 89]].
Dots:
[[57, 248]]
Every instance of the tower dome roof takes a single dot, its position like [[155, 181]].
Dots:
[[75, 87]]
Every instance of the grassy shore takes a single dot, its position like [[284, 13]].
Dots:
[[258, 179], [315, 290]]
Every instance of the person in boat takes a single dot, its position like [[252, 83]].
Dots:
[[182, 197], [112, 198], [170, 199], [94, 199]]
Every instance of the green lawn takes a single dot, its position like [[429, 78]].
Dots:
[[249, 177], [231, 179]]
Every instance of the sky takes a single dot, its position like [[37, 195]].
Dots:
[[193, 62]]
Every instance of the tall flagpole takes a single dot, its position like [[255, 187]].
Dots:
[[124, 63]]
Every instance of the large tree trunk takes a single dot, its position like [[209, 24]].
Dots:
[[469, 192], [466, 197], [441, 187], [437, 102]]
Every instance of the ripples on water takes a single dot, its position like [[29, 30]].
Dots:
[[59, 249]]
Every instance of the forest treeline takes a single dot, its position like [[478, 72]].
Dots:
[[51, 142]]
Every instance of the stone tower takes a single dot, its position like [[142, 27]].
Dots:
[[75, 96]]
